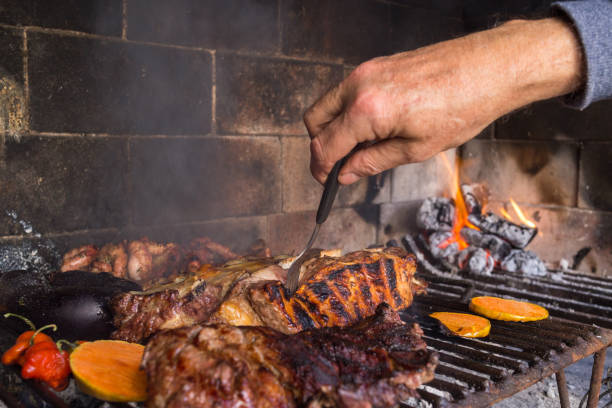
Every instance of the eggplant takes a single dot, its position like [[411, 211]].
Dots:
[[77, 302]]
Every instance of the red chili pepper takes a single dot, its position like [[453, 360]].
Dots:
[[26, 339], [46, 362]]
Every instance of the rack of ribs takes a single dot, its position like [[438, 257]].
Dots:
[[376, 362], [332, 291]]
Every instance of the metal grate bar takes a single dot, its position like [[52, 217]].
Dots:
[[496, 374], [480, 383], [478, 354]]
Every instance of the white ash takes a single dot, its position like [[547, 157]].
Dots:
[[439, 247], [476, 260], [436, 214], [564, 264], [26, 226], [525, 262], [497, 247]]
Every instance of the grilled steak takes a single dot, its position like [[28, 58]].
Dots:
[[189, 301], [333, 291], [374, 363], [338, 291]]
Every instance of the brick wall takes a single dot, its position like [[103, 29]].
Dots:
[[124, 118], [176, 119]]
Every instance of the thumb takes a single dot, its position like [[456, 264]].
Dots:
[[375, 159]]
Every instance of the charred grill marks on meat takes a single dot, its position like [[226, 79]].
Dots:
[[137, 315], [376, 362], [333, 291], [338, 291]]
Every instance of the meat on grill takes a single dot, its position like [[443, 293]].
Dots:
[[188, 301], [145, 261], [375, 363], [338, 291], [236, 309], [333, 291]]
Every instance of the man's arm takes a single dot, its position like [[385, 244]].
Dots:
[[418, 103]]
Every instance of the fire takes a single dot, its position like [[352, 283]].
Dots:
[[521, 216], [505, 214], [461, 212]]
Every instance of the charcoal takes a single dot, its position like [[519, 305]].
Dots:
[[473, 195], [475, 260], [443, 246], [436, 214], [517, 235], [39, 255], [392, 243], [525, 262], [497, 247], [579, 257]]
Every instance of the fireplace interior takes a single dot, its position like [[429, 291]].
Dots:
[[124, 119]]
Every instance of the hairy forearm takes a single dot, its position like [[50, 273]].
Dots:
[[529, 61]]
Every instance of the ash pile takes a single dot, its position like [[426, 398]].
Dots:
[[461, 237]]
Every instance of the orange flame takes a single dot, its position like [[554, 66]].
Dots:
[[461, 212], [521, 216], [503, 212]]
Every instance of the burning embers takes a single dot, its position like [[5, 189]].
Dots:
[[459, 234]]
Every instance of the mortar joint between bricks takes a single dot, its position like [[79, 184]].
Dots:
[[124, 19], [213, 90], [279, 27], [26, 82]]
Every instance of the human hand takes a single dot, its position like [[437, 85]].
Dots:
[[412, 105]]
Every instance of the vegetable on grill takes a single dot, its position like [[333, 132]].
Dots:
[[110, 370], [464, 324], [507, 309], [47, 362], [39, 356], [77, 301], [15, 354]]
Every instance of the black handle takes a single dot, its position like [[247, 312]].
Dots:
[[330, 190]]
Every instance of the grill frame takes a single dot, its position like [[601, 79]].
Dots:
[[479, 373], [539, 349]]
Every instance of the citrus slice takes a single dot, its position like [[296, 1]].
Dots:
[[110, 370], [507, 309], [464, 324]]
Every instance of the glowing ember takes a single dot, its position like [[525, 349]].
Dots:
[[526, 221]]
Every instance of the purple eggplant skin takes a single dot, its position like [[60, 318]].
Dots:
[[77, 302], [80, 314]]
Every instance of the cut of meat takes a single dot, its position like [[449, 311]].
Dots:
[[375, 363], [339, 291], [192, 300], [333, 291], [236, 308]]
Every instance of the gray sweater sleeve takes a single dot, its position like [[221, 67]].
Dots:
[[592, 20]]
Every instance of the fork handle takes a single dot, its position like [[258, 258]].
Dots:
[[330, 190]]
